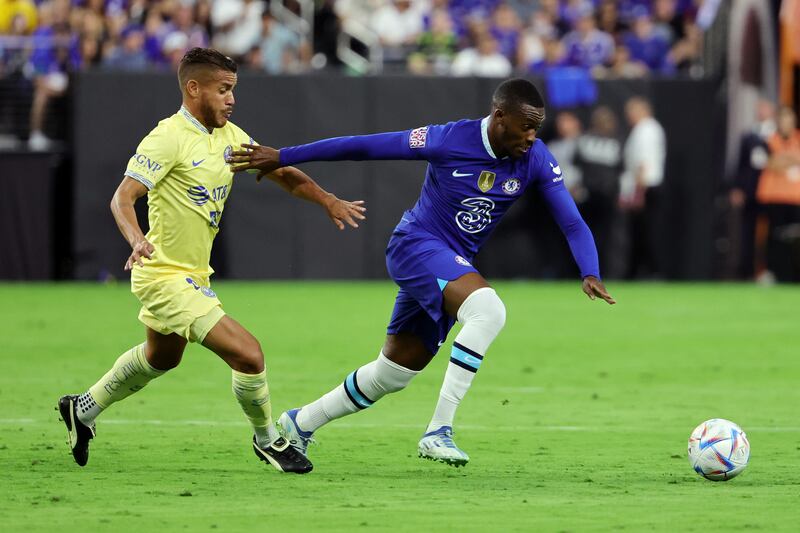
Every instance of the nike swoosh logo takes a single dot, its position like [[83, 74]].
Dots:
[[441, 342], [457, 174], [197, 163]]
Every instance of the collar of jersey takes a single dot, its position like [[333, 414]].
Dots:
[[196, 123], [485, 137]]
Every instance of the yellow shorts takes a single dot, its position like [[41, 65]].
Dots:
[[176, 303]]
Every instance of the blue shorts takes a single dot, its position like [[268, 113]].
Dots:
[[422, 265]]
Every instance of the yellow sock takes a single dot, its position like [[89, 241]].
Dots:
[[130, 373], [252, 393]]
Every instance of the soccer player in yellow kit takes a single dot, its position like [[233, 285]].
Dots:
[[182, 167]]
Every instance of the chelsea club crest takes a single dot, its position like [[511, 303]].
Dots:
[[511, 186]]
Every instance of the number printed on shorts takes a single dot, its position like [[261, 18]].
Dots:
[[477, 217]]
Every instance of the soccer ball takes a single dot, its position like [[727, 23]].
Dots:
[[718, 449]]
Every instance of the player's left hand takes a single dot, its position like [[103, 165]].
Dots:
[[594, 289], [341, 211], [255, 156]]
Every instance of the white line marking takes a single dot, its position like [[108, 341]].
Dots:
[[346, 425]]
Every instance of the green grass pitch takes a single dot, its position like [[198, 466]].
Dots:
[[577, 421]]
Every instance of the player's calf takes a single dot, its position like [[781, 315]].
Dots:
[[483, 316]]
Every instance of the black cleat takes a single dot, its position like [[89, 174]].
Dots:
[[79, 433], [283, 456]]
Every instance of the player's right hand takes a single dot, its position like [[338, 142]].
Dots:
[[255, 156], [140, 249]]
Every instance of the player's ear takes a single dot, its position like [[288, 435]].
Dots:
[[193, 88]]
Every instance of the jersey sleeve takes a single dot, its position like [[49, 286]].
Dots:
[[550, 182], [154, 158], [425, 143]]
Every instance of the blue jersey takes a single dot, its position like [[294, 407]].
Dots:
[[467, 188]]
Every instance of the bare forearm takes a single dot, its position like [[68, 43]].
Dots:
[[125, 216], [300, 185]]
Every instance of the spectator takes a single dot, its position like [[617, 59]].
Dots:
[[779, 193], [685, 54], [645, 44], [175, 47], [183, 21], [608, 18], [554, 57], [10, 10], [48, 63], [553, 10], [668, 22], [237, 25], [640, 188], [621, 66], [281, 48], [436, 47], [598, 155], [327, 27], [483, 60], [564, 147], [753, 158], [398, 25], [533, 37], [130, 54], [586, 46], [505, 29]]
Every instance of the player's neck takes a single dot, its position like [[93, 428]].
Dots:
[[195, 112], [493, 140]]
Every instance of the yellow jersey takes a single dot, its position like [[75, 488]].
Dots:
[[188, 179]]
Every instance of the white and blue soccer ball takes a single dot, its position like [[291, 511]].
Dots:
[[718, 449]]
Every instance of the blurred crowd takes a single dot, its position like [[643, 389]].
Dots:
[[43, 41], [627, 38]]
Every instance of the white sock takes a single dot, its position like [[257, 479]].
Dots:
[[88, 409], [483, 315], [360, 389]]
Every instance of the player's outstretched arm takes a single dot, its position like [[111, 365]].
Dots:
[[122, 203], [300, 184], [580, 240], [379, 146]]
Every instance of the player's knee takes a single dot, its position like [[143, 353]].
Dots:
[[484, 307], [250, 357]]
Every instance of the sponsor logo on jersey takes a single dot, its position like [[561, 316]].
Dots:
[[198, 195], [511, 185], [149, 164], [461, 261], [486, 180], [556, 169], [478, 215], [559, 178], [418, 137]]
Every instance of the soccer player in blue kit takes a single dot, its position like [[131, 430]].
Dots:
[[476, 170]]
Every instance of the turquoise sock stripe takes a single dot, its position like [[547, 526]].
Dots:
[[354, 393], [465, 358]]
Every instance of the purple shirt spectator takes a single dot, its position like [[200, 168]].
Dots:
[[646, 45], [587, 46]]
